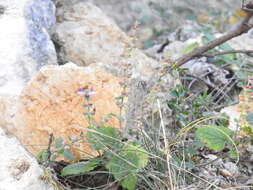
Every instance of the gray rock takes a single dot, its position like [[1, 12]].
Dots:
[[25, 42], [214, 159], [86, 35], [250, 148]]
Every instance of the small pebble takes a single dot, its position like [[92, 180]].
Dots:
[[232, 168]]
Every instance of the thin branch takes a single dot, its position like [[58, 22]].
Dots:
[[49, 148], [243, 27], [160, 50], [207, 84], [248, 7]]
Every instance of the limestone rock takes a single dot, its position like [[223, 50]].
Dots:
[[9, 117], [50, 104], [244, 41], [174, 50], [86, 35], [18, 169], [25, 42]]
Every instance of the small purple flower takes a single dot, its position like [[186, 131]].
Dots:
[[81, 92], [87, 93], [91, 91]]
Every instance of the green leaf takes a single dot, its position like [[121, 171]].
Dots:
[[60, 151], [42, 156], [224, 120], [215, 137], [80, 167], [230, 56], [68, 155], [135, 154], [198, 144], [208, 37], [249, 118], [191, 150], [129, 182], [225, 47], [58, 143], [181, 91], [129, 160], [174, 94], [189, 165], [101, 138], [190, 48]]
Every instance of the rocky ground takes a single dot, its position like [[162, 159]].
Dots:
[[115, 51]]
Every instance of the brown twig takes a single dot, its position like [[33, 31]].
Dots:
[[160, 50], [248, 6], [243, 27], [49, 147], [206, 83]]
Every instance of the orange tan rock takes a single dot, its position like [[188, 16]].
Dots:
[[50, 104]]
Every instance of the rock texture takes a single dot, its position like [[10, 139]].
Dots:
[[85, 35], [9, 108], [160, 16], [244, 41], [234, 116], [147, 11], [25, 42], [50, 103], [18, 170]]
